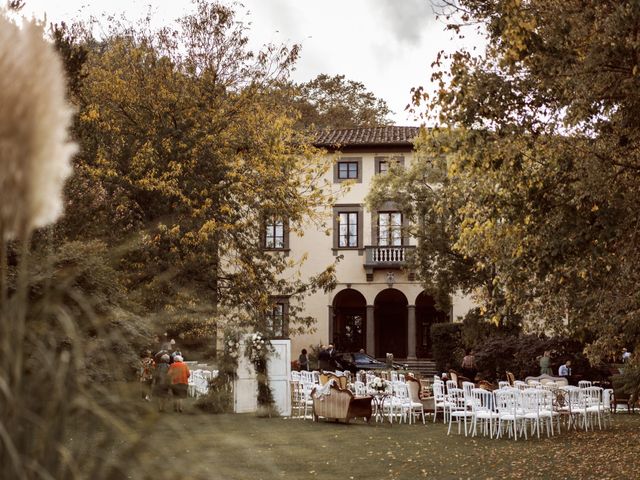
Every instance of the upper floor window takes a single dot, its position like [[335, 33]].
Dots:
[[383, 163], [347, 226], [348, 229], [275, 233], [347, 168], [390, 228]]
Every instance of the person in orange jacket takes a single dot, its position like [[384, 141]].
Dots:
[[179, 375]]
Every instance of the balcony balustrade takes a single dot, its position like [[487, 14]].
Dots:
[[386, 258]]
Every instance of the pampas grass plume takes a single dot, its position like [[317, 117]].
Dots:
[[35, 150]]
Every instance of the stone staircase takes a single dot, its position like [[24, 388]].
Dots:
[[424, 366]]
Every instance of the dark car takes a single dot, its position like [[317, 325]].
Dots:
[[361, 361]]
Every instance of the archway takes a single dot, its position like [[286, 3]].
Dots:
[[426, 315], [390, 309], [349, 321]]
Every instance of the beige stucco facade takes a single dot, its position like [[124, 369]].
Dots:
[[377, 305]]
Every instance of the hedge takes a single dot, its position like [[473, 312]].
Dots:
[[446, 339]]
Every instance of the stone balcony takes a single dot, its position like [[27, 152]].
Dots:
[[386, 258]]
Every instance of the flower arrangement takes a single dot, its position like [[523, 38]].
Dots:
[[231, 347], [257, 349], [378, 385]]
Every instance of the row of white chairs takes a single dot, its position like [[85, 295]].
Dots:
[[400, 401], [514, 411], [199, 382]]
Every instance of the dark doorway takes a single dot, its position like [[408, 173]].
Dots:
[[349, 321], [391, 323], [426, 315]]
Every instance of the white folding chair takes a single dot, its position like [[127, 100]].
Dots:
[[483, 407], [592, 402], [458, 410], [440, 402], [415, 404], [537, 409], [466, 388], [508, 406]]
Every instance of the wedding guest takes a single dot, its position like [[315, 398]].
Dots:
[[324, 359], [303, 360], [469, 368], [545, 362], [145, 375], [166, 344], [332, 357], [161, 385], [565, 370], [179, 375]]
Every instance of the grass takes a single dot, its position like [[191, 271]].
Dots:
[[245, 447]]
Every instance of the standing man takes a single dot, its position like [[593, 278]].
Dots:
[[323, 358], [469, 368], [626, 355], [332, 357], [565, 370]]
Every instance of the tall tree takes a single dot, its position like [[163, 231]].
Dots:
[[334, 102], [542, 162], [188, 150]]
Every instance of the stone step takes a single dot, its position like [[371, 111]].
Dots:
[[424, 366]]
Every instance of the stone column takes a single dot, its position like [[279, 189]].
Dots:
[[371, 331], [411, 332], [330, 339]]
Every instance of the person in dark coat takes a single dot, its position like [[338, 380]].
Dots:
[[303, 360], [469, 368], [161, 385], [333, 364], [324, 359]]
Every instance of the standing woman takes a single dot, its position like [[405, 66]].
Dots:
[[303, 360], [179, 375], [146, 375], [161, 385], [545, 363]]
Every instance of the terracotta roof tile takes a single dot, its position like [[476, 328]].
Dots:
[[366, 136]]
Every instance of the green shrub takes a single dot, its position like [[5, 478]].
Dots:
[[476, 328], [448, 350], [219, 398], [519, 354], [495, 355]]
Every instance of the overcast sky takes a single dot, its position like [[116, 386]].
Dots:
[[386, 44]]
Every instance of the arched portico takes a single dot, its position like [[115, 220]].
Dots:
[[349, 320], [390, 313]]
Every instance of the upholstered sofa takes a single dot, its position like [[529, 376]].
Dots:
[[340, 404], [544, 378], [340, 381]]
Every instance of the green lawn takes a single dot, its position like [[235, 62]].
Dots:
[[245, 447]]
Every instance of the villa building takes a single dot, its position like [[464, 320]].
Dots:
[[378, 305]]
